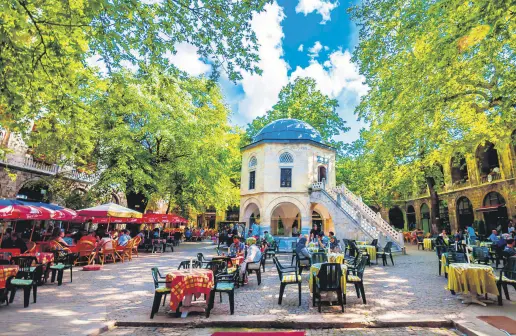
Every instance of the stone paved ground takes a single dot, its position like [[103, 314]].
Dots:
[[410, 290], [310, 332]]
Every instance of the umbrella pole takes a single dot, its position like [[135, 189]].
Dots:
[[32, 232]]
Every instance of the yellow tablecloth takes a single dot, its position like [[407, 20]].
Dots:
[[314, 270], [472, 278], [336, 258], [444, 267], [371, 250], [427, 243], [486, 244], [362, 243]]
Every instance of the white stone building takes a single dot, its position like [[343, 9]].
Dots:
[[288, 179]]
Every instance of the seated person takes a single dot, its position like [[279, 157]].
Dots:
[[57, 236], [334, 246], [105, 242], [13, 241], [509, 248], [188, 234], [253, 255], [322, 240], [237, 248], [92, 237], [494, 236], [301, 248], [124, 238]]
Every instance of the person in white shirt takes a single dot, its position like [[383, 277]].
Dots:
[[253, 255]]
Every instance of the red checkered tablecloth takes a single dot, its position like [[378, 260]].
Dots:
[[7, 271], [42, 257], [196, 281]]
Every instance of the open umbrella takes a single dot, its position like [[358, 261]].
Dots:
[[111, 212]]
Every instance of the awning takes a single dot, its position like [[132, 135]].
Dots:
[[490, 208]]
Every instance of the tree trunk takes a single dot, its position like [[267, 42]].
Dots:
[[434, 201]]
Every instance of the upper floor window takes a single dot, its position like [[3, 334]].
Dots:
[[253, 162], [286, 178], [252, 177], [286, 158]]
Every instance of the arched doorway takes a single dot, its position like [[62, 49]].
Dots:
[[488, 164], [444, 216], [396, 218], [283, 218], [411, 217], [317, 220], [35, 191], [322, 174], [251, 215], [495, 212], [464, 212], [425, 217], [459, 169]]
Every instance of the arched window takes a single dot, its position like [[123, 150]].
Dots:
[[495, 212], [253, 162], [286, 158], [488, 164], [464, 212], [459, 169]]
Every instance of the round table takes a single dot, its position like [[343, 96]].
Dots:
[[7, 271], [473, 279], [185, 283], [336, 258], [371, 250]]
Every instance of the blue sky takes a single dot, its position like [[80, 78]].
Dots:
[[297, 38]]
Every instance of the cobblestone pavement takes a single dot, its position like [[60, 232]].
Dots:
[[310, 332], [123, 292]]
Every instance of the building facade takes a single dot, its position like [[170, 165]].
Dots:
[[278, 168], [479, 188]]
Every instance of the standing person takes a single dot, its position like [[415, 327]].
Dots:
[[295, 231], [256, 229], [253, 255], [314, 233], [471, 233]]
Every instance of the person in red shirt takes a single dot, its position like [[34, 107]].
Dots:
[[92, 237]]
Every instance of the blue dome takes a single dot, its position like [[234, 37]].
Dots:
[[288, 129]]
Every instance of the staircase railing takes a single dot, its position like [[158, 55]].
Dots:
[[365, 227], [370, 215]]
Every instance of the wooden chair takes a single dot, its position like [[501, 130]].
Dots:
[[86, 252], [137, 241], [31, 247], [104, 253], [118, 256], [127, 250]]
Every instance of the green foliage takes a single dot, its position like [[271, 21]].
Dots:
[[168, 136], [302, 100], [46, 47], [441, 76]]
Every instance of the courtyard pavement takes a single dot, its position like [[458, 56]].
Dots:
[[123, 292]]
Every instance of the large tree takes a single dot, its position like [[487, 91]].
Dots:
[[47, 48], [441, 76], [302, 100], [167, 136]]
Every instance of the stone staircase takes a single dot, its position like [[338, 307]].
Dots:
[[352, 218]]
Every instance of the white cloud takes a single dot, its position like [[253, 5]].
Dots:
[[322, 7], [314, 51], [300, 47], [338, 77], [261, 92], [188, 60]]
